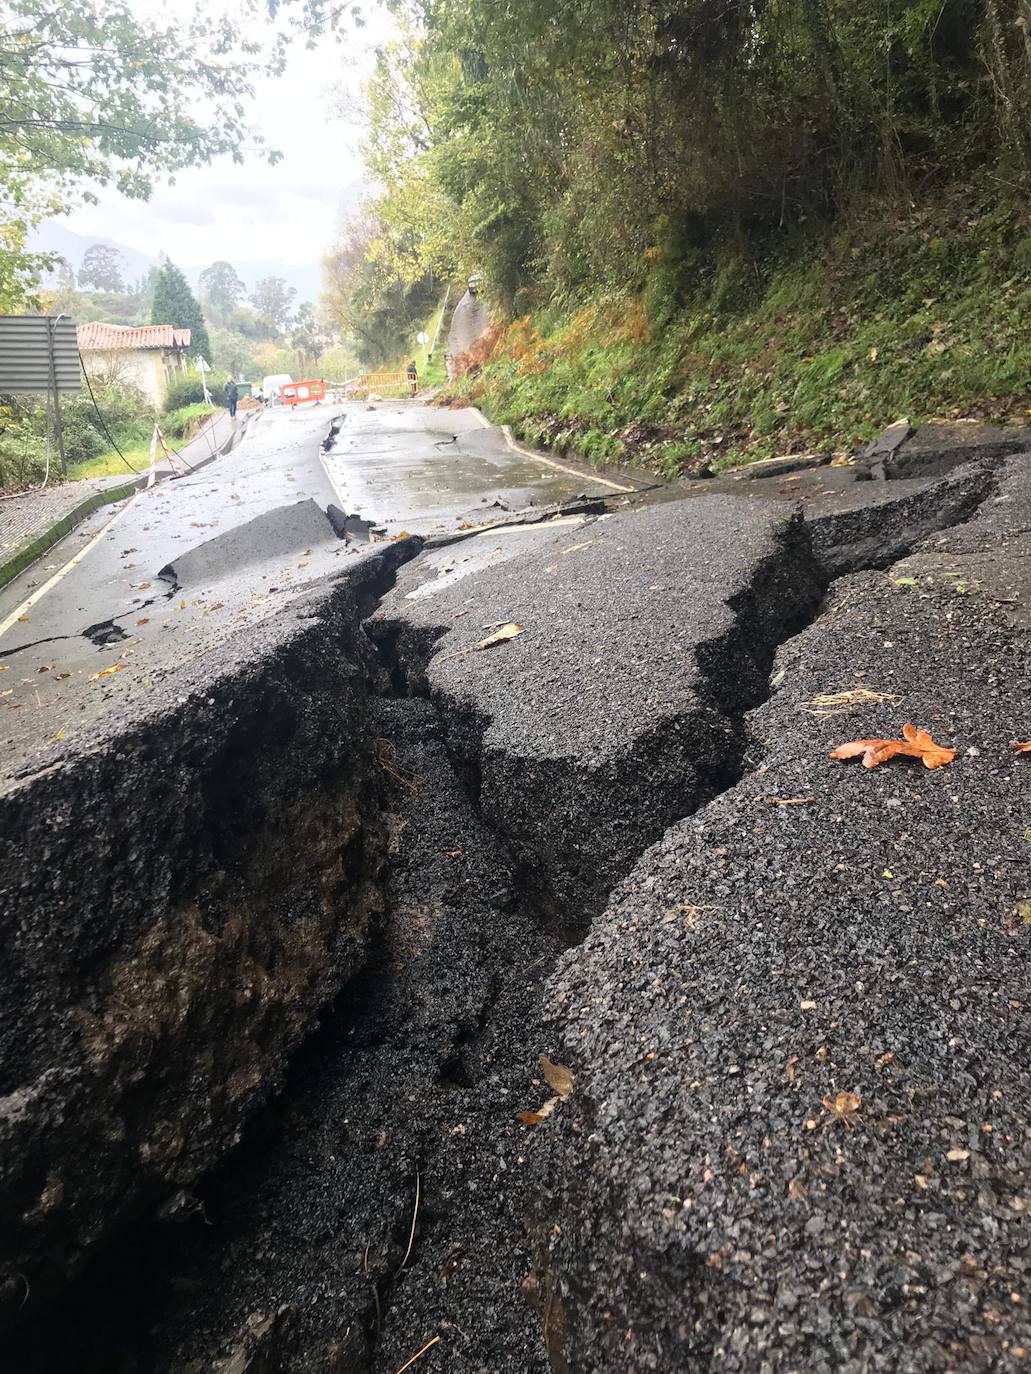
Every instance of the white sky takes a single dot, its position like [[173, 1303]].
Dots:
[[287, 211]]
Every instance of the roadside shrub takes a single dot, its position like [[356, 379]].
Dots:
[[185, 422], [22, 443], [189, 391], [127, 418]]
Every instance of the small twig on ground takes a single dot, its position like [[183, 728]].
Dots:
[[839, 703], [789, 801], [418, 1355], [387, 760], [415, 1216]]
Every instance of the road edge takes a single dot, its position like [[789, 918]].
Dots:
[[34, 548]]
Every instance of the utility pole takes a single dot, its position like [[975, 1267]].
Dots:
[[58, 431]]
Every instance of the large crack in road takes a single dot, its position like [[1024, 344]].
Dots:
[[394, 837]]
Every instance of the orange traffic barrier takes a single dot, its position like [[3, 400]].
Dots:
[[296, 393]]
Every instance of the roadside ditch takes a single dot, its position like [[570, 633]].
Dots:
[[348, 863]]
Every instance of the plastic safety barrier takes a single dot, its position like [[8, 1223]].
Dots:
[[296, 393], [380, 383]]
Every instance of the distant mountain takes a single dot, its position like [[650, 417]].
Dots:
[[54, 236]]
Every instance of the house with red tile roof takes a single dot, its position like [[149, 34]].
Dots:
[[148, 356]]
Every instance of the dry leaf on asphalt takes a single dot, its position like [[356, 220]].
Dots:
[[558, 1078], [106, 672], [844, 1107], [1021, 746], [508, 631], [915, 743], [532, 1119]]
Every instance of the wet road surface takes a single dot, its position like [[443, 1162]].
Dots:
[[430, 470], [112, 627]]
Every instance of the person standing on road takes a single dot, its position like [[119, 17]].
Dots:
[[413, 376], [232, 395]]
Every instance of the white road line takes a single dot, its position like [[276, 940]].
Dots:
[[516, 447], [72, 563]]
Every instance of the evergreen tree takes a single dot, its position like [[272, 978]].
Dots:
[[175, 304]]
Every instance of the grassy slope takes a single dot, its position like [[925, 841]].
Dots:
[[177, 425], [434, 374], [923, 315]]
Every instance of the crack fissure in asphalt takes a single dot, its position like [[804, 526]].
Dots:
[[400, 1029]]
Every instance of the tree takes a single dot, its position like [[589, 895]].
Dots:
[[175, 304], [272, 298], [221, 290], [61, 276], [101, 268], [91, 94], [307, 337]]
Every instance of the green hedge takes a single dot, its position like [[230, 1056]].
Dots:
[[189, 391]]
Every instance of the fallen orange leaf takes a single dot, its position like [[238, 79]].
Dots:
[[532, 1119], [106, 672], [916, 744], [558, 1078], [1021, 746]]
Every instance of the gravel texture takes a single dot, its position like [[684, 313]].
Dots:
[[710, 1207]]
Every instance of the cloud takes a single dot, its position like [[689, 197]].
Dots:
[[287, 211]]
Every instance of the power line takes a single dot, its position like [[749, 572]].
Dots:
[[103, 423], [110, 437]]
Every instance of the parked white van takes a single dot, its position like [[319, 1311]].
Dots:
[[270, 387]]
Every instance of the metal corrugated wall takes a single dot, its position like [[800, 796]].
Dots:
[[25, 354]]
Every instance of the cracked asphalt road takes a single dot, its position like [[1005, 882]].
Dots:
[[801, 933], [386, 462]]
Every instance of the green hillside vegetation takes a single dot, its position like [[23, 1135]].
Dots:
[[705, 229], [924, 316]]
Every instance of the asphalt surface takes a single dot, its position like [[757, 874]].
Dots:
[[715, 1202], [242, 549], [431, 470], [798, 1134], [599, 723]]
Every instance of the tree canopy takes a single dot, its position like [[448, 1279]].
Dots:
[[101, 268], [272, 299], [221, 290], [174, 303], [92, 95], [563, 145]]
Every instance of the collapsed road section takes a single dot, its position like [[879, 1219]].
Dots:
[[792, 1129]]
